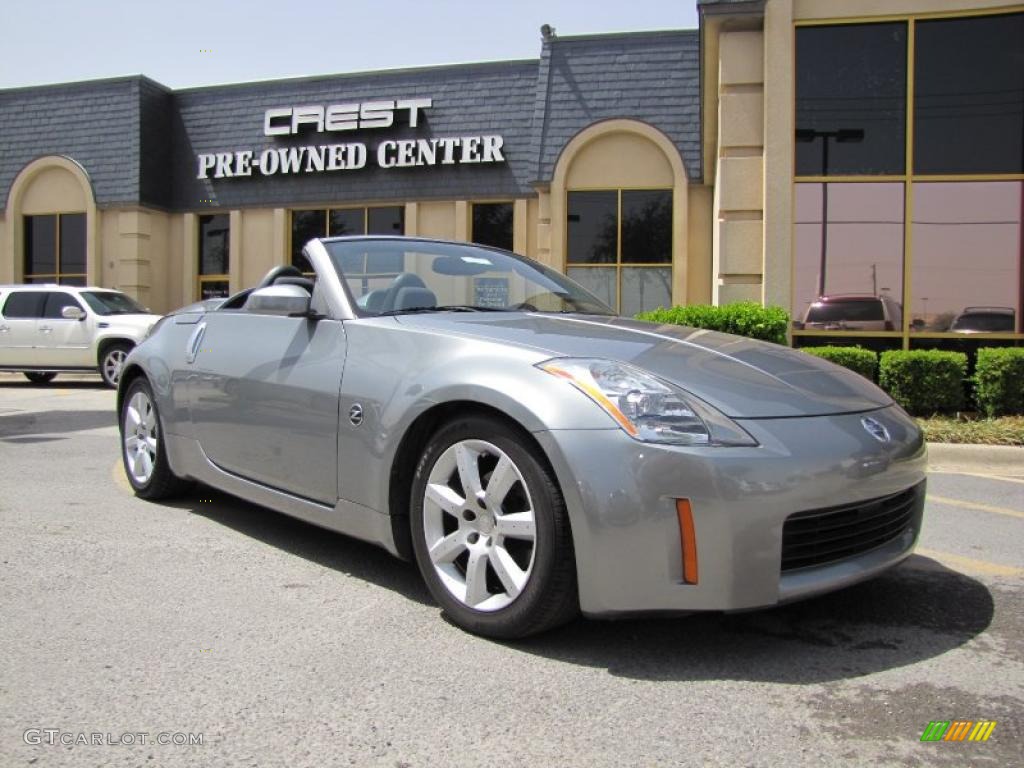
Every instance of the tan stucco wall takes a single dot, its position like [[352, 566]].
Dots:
[[619, 160], [6, 262], [53, 190], [256, 249], [779, 124], [698, 281], [737, 217], [437, 220]]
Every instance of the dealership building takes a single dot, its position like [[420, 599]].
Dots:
[[857, 162]]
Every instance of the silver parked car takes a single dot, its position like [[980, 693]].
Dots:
[[534, 453]]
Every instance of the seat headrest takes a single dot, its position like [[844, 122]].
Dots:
[[411, 298]]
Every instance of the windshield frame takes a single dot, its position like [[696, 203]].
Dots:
[[529, 264]]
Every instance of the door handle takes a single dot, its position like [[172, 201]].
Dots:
[[46, 329], [192, 348]]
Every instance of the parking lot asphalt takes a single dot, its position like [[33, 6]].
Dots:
[[286, 645]]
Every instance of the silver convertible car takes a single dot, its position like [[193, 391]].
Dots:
[[536, 454]]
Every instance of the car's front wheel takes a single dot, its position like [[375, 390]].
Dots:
[[490, 531], [142, 445], [112, 362], [39, 378]]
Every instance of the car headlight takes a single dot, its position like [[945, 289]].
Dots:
[[646, 408]]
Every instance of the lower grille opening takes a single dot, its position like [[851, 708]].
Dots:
[[822, 536]]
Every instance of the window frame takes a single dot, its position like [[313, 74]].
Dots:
[[908, 177], [201, 277], [618, 264], [58, 275]]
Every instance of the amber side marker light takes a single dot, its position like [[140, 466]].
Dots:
[[688, 539]]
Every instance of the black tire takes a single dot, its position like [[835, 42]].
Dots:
[[162, 483], [111, 362], [550, 595], [40, 378]]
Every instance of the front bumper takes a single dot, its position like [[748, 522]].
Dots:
[[621, 499]]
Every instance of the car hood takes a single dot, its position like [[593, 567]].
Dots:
[[741, 377]]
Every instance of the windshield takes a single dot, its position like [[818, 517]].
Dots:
[[850, 309], [984, 321], [113, 303], [391, 276]]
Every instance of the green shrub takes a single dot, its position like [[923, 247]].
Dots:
[[857, 359], [924, 381], [999, 380], [744, 318]]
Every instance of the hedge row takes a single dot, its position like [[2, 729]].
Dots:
[[744, 318], [858, 359], [930, 381]]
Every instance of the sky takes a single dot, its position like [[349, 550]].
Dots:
[[183, 43]]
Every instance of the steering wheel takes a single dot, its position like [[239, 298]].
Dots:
[[285, 270]]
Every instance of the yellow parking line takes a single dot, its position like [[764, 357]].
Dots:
[[1003, 478], [975, 505], [970, 564], [117, 474]]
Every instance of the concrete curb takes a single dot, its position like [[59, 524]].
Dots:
[[1004, 460]]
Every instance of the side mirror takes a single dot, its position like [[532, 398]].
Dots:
[[73, 313], [287, 300]]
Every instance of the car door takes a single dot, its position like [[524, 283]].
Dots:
[[263, 396], [19, 316], [60, 342]]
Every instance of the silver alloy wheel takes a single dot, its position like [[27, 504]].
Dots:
[[140, 437], [113, 362], [481, 539]]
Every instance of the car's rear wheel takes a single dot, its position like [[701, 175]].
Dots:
[[490, 531], [40, 378], [112, 362], [142, 446]]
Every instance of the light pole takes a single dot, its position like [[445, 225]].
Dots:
[[842, 136]]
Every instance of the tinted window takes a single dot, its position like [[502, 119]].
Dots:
[[967, 250], [214, 244], [969, 95], [492, 224], [40, 245], [849, 240], [72, 243], [348, 221], [112, 303], [305, 226], [851, 83], [24, 304], [992, 322], [593, 227], [386, 221], [55, 303], [647, 227]]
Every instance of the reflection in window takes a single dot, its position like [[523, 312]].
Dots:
[[592, 227], [849, 269], [851, 83], [967, 256], [647, 226], [55, 248], [620, 228], [969, 107], [492, 224]]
